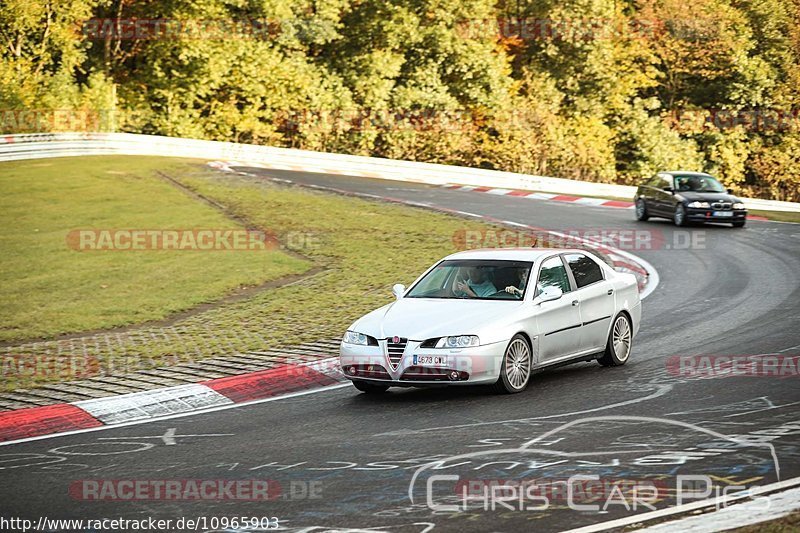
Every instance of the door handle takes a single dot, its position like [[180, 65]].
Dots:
[[610, 291], [575, 302]]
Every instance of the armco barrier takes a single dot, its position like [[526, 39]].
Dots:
[[42, 145]]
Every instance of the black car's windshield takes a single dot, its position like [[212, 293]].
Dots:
[[698, 184], [474, 279]]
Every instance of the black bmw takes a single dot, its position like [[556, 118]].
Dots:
[[688, 197]]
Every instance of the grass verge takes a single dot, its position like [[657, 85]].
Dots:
[[362, 247], [49, 288]]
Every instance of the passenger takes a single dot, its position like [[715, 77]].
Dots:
[[476, 286], [523, 278]]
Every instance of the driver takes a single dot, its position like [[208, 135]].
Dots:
[[477, 286]]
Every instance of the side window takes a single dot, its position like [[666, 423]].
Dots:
[[553, 274], [655, 181], [584, 269], [666, 181]]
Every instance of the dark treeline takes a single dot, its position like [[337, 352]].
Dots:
[[599, 90]]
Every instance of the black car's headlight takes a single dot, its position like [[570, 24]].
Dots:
[[699, 205], [738, 205]]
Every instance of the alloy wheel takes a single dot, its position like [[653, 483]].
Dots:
[[518, 363], [621, 338]]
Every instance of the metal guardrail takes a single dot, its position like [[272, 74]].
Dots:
[[44, 145]]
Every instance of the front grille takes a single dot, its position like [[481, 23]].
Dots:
[[722, 206], [396, 350]]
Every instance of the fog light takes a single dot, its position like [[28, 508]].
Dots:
[[454, 376]]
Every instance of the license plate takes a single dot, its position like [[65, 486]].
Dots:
[[430, 360], [723, 213]]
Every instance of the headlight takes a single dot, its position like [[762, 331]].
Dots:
[[353, 337], [738, 205], [459, 341], [699, 205]]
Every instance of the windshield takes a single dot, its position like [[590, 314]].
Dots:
[[474, 279], [698, 184]]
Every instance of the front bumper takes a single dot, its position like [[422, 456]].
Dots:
[[464, 366], [710, 215]]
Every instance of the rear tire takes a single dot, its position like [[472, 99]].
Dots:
[[620, 340], [370, 388], [641, 210], [515, 371]]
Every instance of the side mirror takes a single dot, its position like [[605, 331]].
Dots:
[[549, 294], [730, 191], [669, 190], [398, 289]]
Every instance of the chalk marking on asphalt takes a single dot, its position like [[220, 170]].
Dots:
[[764, 409], [681, 509], [662, 390], [169, 437], [178, 415]]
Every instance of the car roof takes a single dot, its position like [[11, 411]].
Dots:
[[511, 254]]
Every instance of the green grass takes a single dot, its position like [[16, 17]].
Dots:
[[362, 246], [780, 216], [49, 288]]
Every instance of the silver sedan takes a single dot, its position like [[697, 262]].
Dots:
[[493, 317]]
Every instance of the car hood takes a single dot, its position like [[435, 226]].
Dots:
[[424, 318], [693, 196]]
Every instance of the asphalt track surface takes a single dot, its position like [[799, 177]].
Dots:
[[346, 460]]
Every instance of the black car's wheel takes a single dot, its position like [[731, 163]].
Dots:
[[641, 210], [515, 371], [680, 215], [370, 388], [618, 346], [738, 224]]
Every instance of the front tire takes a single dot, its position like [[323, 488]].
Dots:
[[620, 339], [738, 224], [641, 210], [370, 388], [515, 371], [680, 215]]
